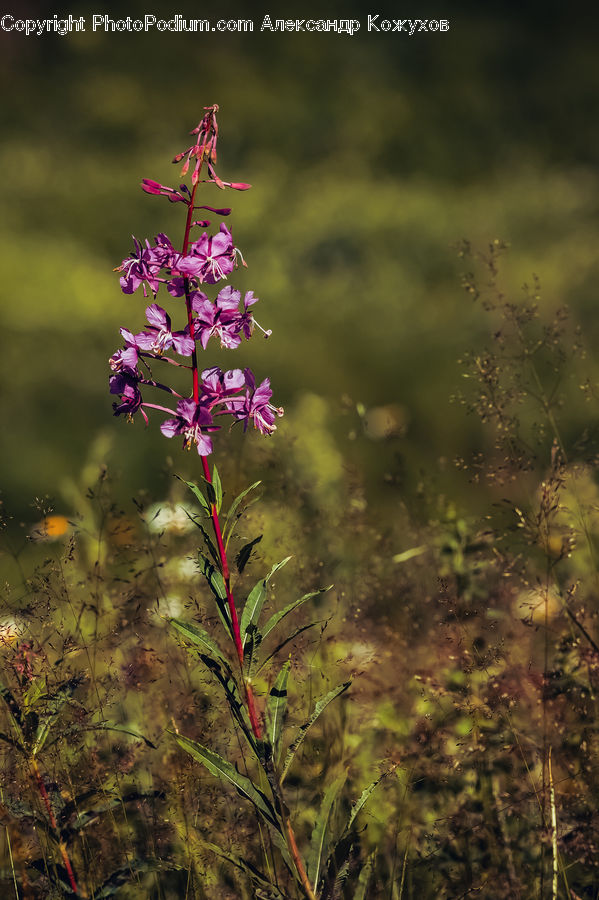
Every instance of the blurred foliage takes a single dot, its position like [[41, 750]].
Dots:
[[370, 156]]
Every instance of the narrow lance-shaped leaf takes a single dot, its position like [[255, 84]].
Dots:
[[125, 874], [255, 601], [217, 586], [275, 708], [222, 672], [364, 879], [13, 706], [229, 518], [364, 796], [207, 539], [55, 705], [279, 647], [319, 833], [218, 489], [243, 557], [107, 726], [251, 636], [220, 768], [197, 494], [276, 617], [198, 636], [319, 708], [246, 866]]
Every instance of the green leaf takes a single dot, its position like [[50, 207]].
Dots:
[[218, 588], [108, 726], [207, 539], [243, 557], [240, 863], [54, 706], [275, 708], [276, 618], [319, 833], [280, 646], [364, 796], [125, 874], [255, 601], [229, 523], [198, 636], [218, 489], [197, 494], [319, 708], [364, 879], [34, 692], [222, 672], [87, 817], [220, 768]]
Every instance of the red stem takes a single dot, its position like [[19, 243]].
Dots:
[[249, 694], [63, 850], [251, 705]]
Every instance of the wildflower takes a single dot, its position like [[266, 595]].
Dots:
[[218, 385], [219, 318], [210, 258], [256, 406], [126, 360], [126, 386], [144, 265], [159, 336], [192, 420]]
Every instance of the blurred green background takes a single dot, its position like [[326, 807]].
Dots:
[[369, 156]]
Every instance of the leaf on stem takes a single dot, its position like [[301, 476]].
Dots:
[[278, 616], [256, 876], [319, 708], [255, 601], [319, 833], [242, 558], [217, 586], [365, 795], [195, 490], [220, 768], [276, 707], [280, 646], [54, 707], [229, 522], [218, 489], [198, 636], [364, 879], [108, 726], [223, 674], [127, 873]]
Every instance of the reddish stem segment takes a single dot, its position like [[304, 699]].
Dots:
[[249, 694], [251, 704], [63, 850]]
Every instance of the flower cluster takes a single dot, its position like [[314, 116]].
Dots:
[[228, 318]]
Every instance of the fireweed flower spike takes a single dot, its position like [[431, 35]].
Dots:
[[201, 262]]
